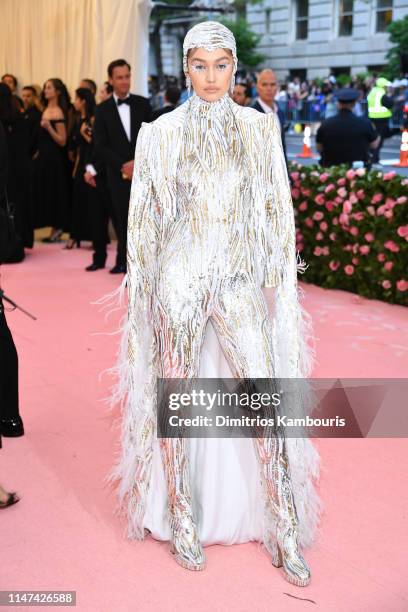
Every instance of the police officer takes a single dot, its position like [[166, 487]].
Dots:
[[346, 138], [380, 112]]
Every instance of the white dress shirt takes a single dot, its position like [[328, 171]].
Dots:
[[266, 107], [124, 114]]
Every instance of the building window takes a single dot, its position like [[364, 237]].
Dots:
[[345, 17], [384, 15], [302, 19], [268, 20]]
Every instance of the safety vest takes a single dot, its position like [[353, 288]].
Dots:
[[375, 109]]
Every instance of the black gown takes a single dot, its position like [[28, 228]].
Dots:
[[18, 143], [82, 193], [50, 182]]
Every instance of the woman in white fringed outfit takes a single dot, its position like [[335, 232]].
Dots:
[[210, 224]]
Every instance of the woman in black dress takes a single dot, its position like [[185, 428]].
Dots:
[[84, 104], [51, 189], [17, 135]]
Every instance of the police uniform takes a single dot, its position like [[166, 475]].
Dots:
[[345, 138]]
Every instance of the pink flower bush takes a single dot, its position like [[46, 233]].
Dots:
[[402, 285], [391, 246]]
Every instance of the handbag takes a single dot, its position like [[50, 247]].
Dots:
[[11, 248]]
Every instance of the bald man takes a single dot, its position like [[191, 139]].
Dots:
[[267, 87]]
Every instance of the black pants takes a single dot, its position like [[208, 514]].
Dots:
[[120, 195], [99, 211], [383, 130], [8, 370]]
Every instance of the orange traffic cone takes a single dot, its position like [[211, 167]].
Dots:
[[403, 162], [306, 151]]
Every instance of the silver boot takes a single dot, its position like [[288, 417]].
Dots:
[[283, 545], [186, 545]]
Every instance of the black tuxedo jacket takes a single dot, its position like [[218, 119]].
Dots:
[[281, 118], [111, 144]]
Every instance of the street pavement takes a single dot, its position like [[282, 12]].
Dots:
[[389, 153]]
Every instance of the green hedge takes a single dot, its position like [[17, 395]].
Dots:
[[352, 229]]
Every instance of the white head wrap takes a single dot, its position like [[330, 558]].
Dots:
[[209, 35]]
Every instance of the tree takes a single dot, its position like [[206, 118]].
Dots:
[[399, 36], [247, 42]]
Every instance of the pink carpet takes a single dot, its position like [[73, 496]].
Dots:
[[63, 535]]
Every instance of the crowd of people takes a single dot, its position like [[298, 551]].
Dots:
[[71, 163]]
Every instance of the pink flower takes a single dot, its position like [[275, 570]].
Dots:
[[319, 236], [334, 265], [369, 237], [350, 174], [318, 216], [325, 250], [323, 177], [354, 230], [355, 260], [329, 206], [390, 203], [402, 285], [361, 194], [358, 216], [349, 269], [391, 246], [401, 200], [381, 210], [294, 175], [364, 249], [386, 284], [388, 214], [332, 236], [309, 222], [335, 221], [360, 171], [347, 207], [323, 226], [344, 219], [306, 192], [381, 257], [402, 231], [353, 198], [319, 199], [342, 192], [338, 200], [388, 265], [295, 193], [389, 175], [377, 197], [317, 251], [329, 188], [341, 181], [302, 206], [371, 210], [348, 247]]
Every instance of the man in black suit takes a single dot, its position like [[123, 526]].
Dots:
[[117, 123], [171, 99], [267, 88]]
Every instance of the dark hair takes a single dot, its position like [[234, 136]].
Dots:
[[248, 92], [64, 100], [92, 85], [172, 94], [117, 64], [12, 76], [9, 106], [109, 88], [83, 93], [30, 88]]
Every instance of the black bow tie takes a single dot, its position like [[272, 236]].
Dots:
[[125, 101]]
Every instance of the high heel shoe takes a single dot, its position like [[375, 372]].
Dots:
[[284, 551], [55, 237], [186, 546], [71, 243]]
